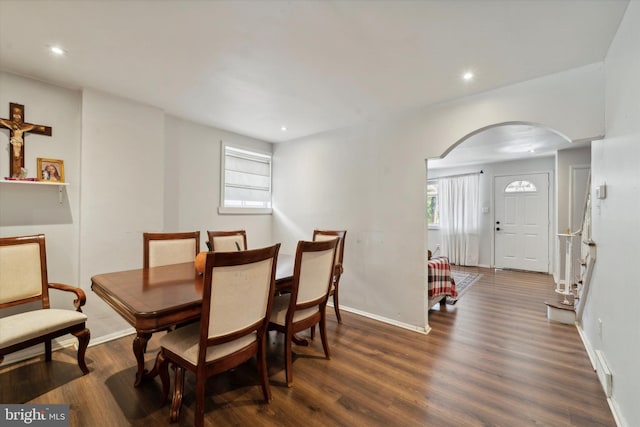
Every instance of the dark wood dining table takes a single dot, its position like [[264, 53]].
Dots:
[[157, 298]]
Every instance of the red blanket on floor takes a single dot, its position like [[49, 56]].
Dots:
[[440, 278]]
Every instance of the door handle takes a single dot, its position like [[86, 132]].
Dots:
[[497, 222], [497, 228]]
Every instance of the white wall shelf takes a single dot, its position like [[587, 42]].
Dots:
[[60, 185]]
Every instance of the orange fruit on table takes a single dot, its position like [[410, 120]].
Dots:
[[201, 260]]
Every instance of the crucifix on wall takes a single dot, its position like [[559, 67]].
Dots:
[[17, 129]]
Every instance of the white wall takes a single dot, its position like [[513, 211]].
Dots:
[[370, 179], [615, 292], [121, 193], [491, 170], [565, 161], [32, 209], [192, 182]]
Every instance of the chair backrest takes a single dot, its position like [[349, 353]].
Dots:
[[238, 289], [320, 235], [23, 271], [228, 241], [312, 274], [170, 248]]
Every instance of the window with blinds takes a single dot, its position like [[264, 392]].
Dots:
[[246, 181]]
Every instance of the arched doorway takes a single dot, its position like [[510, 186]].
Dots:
[[504, 149]]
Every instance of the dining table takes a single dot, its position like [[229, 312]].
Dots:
[[158, 298]]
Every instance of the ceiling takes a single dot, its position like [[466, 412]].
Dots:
[[512, 141], [252, 67]]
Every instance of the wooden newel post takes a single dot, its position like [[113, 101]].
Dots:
[[17, 130]]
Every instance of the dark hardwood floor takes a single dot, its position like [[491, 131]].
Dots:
[[492, 359]]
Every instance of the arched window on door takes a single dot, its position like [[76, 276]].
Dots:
[[520, 187]]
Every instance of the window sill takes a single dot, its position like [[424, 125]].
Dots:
[[245, 211], [433, 227]]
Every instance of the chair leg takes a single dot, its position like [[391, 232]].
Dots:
[[336, 305], [163, 372], [83, 342], [288, 359], [178, 389], [323, 336], [199, 413], [47, 350], [263, 371]]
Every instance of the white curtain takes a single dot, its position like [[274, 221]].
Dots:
[[459, 217]]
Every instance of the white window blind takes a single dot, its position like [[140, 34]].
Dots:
[[246, 181]]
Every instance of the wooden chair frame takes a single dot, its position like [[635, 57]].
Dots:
[[291, 327], [213, 234], [79, 330], [338, 269], [149, 237], [204, 369]]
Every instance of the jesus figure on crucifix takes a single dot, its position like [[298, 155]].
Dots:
[[17, 131], [18, 128]]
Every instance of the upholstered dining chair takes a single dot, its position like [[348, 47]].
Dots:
[[319, 235], [238, 290], [23, 280], [228, 241], [304, 307], [170, 248]]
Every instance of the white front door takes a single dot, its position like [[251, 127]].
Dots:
[[522, 222]]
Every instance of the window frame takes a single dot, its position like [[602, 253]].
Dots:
[[516, 186], [243, 210], [435, 183]]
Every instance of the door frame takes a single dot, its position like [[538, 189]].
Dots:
[[550, 207]]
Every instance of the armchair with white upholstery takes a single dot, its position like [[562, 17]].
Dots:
[[23, 280]]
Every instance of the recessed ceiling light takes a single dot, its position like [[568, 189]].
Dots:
[[283, 128], [57, 50], [467, 76]]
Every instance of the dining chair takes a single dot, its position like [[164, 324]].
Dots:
[[24, 281], [170, 248], [319, 235], [238, 289], [304, 306], [227, 241]]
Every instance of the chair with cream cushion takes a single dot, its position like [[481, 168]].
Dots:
[[170, 248], [23, 280], [228, 241], [319, 235], [238, 290], [304, 307]]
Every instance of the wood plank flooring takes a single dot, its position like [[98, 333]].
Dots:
[[492, 359]]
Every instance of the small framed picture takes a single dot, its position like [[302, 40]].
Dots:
[[50, 170]]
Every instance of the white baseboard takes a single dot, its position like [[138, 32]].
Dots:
[[393, 322], [112, 336], [617, 417], [604, 374]]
